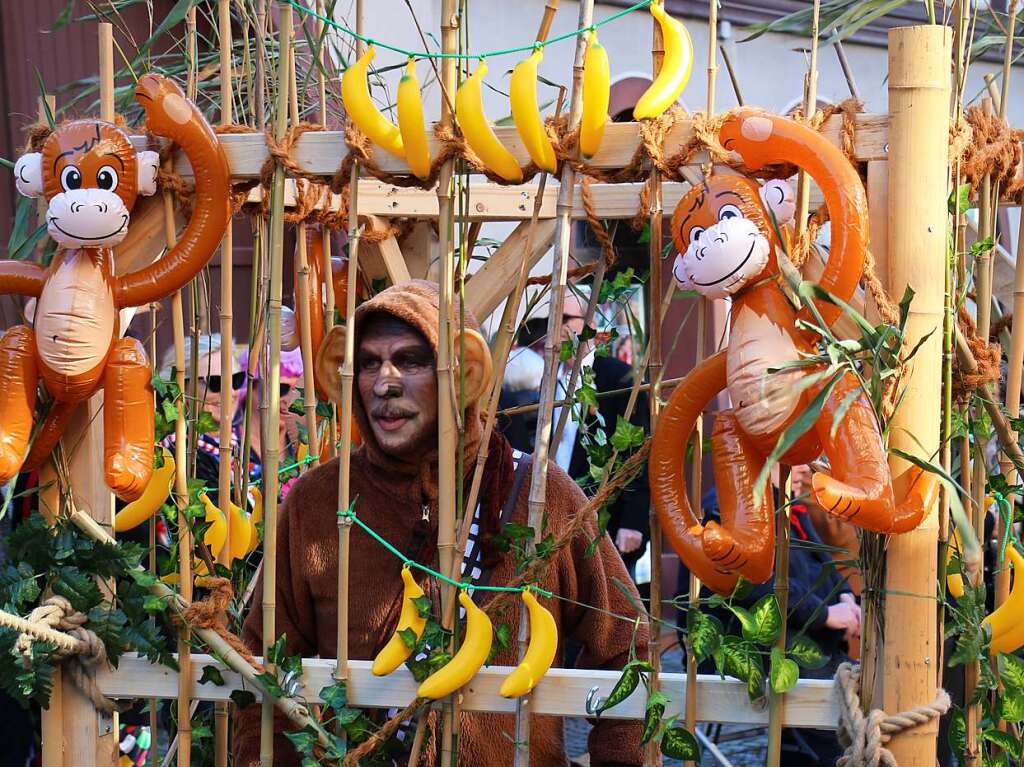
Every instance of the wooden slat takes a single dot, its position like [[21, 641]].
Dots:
[[489, 286], [322, 152], [562, 692]]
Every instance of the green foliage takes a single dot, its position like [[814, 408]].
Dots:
[[679, 743], [783, 672]]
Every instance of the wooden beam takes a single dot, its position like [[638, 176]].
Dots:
[[321, 152], [383, 255], [562, 692], [492, 282]]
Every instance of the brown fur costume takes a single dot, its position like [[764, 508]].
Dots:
[[391, 495]]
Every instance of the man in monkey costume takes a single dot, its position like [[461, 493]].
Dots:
[[394, 481]]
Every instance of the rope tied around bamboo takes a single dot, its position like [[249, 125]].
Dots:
[[987, 357], [864, 737], [212, 613], [56, 622], [987, 145]]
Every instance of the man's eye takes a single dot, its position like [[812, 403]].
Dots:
[[369, 364]]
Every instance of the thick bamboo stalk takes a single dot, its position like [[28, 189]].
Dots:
[[563, 230], [272, 394], [918, 140], [226, 353]]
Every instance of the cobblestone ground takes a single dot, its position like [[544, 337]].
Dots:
[[749, 749]]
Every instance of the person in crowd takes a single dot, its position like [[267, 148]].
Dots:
[[834, 531], [624, 348], [821, 607], [520, 387], [628, 521], [394, 481]]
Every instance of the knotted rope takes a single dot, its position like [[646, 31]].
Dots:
[[55, 621], [212, 613], [864, 737], [987, 355]]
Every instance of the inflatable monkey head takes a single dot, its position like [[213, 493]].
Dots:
[[724, 233], [90, 175]]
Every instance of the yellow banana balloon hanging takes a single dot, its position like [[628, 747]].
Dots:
[[355, 93], [255, 518], [675, 67], [152, 498], [410, 122], [396, 651], [596, 91], [469, 111], [526, 113], [476, 646], [540, 653], [1005, 620], [240, 532]]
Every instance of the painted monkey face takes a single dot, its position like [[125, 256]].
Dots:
[[90, 175], [722, 234]]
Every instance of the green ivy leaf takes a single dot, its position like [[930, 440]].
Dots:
[[783, 673], [211, 675], [201, 731], [626, 435], [269, 682], [705, 633], [304, 740], [767, 621], [205, 422], [242, 698], [423, 606], [276, 652], [960, 199], [805, 652], [335, 696], [679, 743], [408, 636]]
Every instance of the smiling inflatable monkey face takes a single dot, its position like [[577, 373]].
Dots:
[[90, 175]]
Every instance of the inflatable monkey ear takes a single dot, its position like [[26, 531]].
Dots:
[[327, 365], [778, 198], [28, 174], [477, 364], [149, 166]]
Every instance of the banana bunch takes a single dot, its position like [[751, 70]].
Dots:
[[596, 90], [410, 122], [526, 113], [469, 112], [675, 67], [397, 650], [152, 498], [476, 646], [355, 94], [539, 654], [1005, 621]]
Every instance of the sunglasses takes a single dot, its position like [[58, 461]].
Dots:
[[285, 389], [213, 383]]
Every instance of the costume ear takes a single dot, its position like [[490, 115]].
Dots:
[[478, 364], [327, 365], [149, 165], [28, 174]]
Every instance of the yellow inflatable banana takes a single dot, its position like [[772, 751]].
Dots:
[[396, 651], [596, 91], [410, 122], [675, 67], [355, 94], [476, 646], [1006, 623], [540, 653], [240, 532], [954, 581], [526, 113], [216, 534], [152, 498], [469, 111], [255, 518]]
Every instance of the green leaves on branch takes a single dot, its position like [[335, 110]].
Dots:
[[783, 672]]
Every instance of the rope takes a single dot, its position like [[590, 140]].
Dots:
[[987, 145], [57, 622], [212, 613], [987, 356], [864, 737]]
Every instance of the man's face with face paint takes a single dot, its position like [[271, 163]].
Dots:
[[397, 380]]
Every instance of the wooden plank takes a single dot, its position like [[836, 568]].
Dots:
[[562, 692], [388, 251], [494, 280], [321, 152]]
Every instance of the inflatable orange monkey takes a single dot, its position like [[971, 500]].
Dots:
[[727, 246], [91, 175]]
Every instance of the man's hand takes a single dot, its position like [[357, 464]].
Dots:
[[845, 616], [627, 540]]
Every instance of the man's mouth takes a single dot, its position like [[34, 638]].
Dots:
[[392, 421]]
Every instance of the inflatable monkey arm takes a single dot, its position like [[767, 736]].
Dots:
[[762, 140], [23, 278], [170, 115]]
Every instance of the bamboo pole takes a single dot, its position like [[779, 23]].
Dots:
[[918, 140], [302, 308], [652, 756], [226, 354], [844, 64], [447, 434], [272, 394], [732, 74]]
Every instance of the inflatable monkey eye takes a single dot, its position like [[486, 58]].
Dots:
[[70, 178], [729, 211], [106, 178], [696, 233], [149, 166], [28, 174]]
